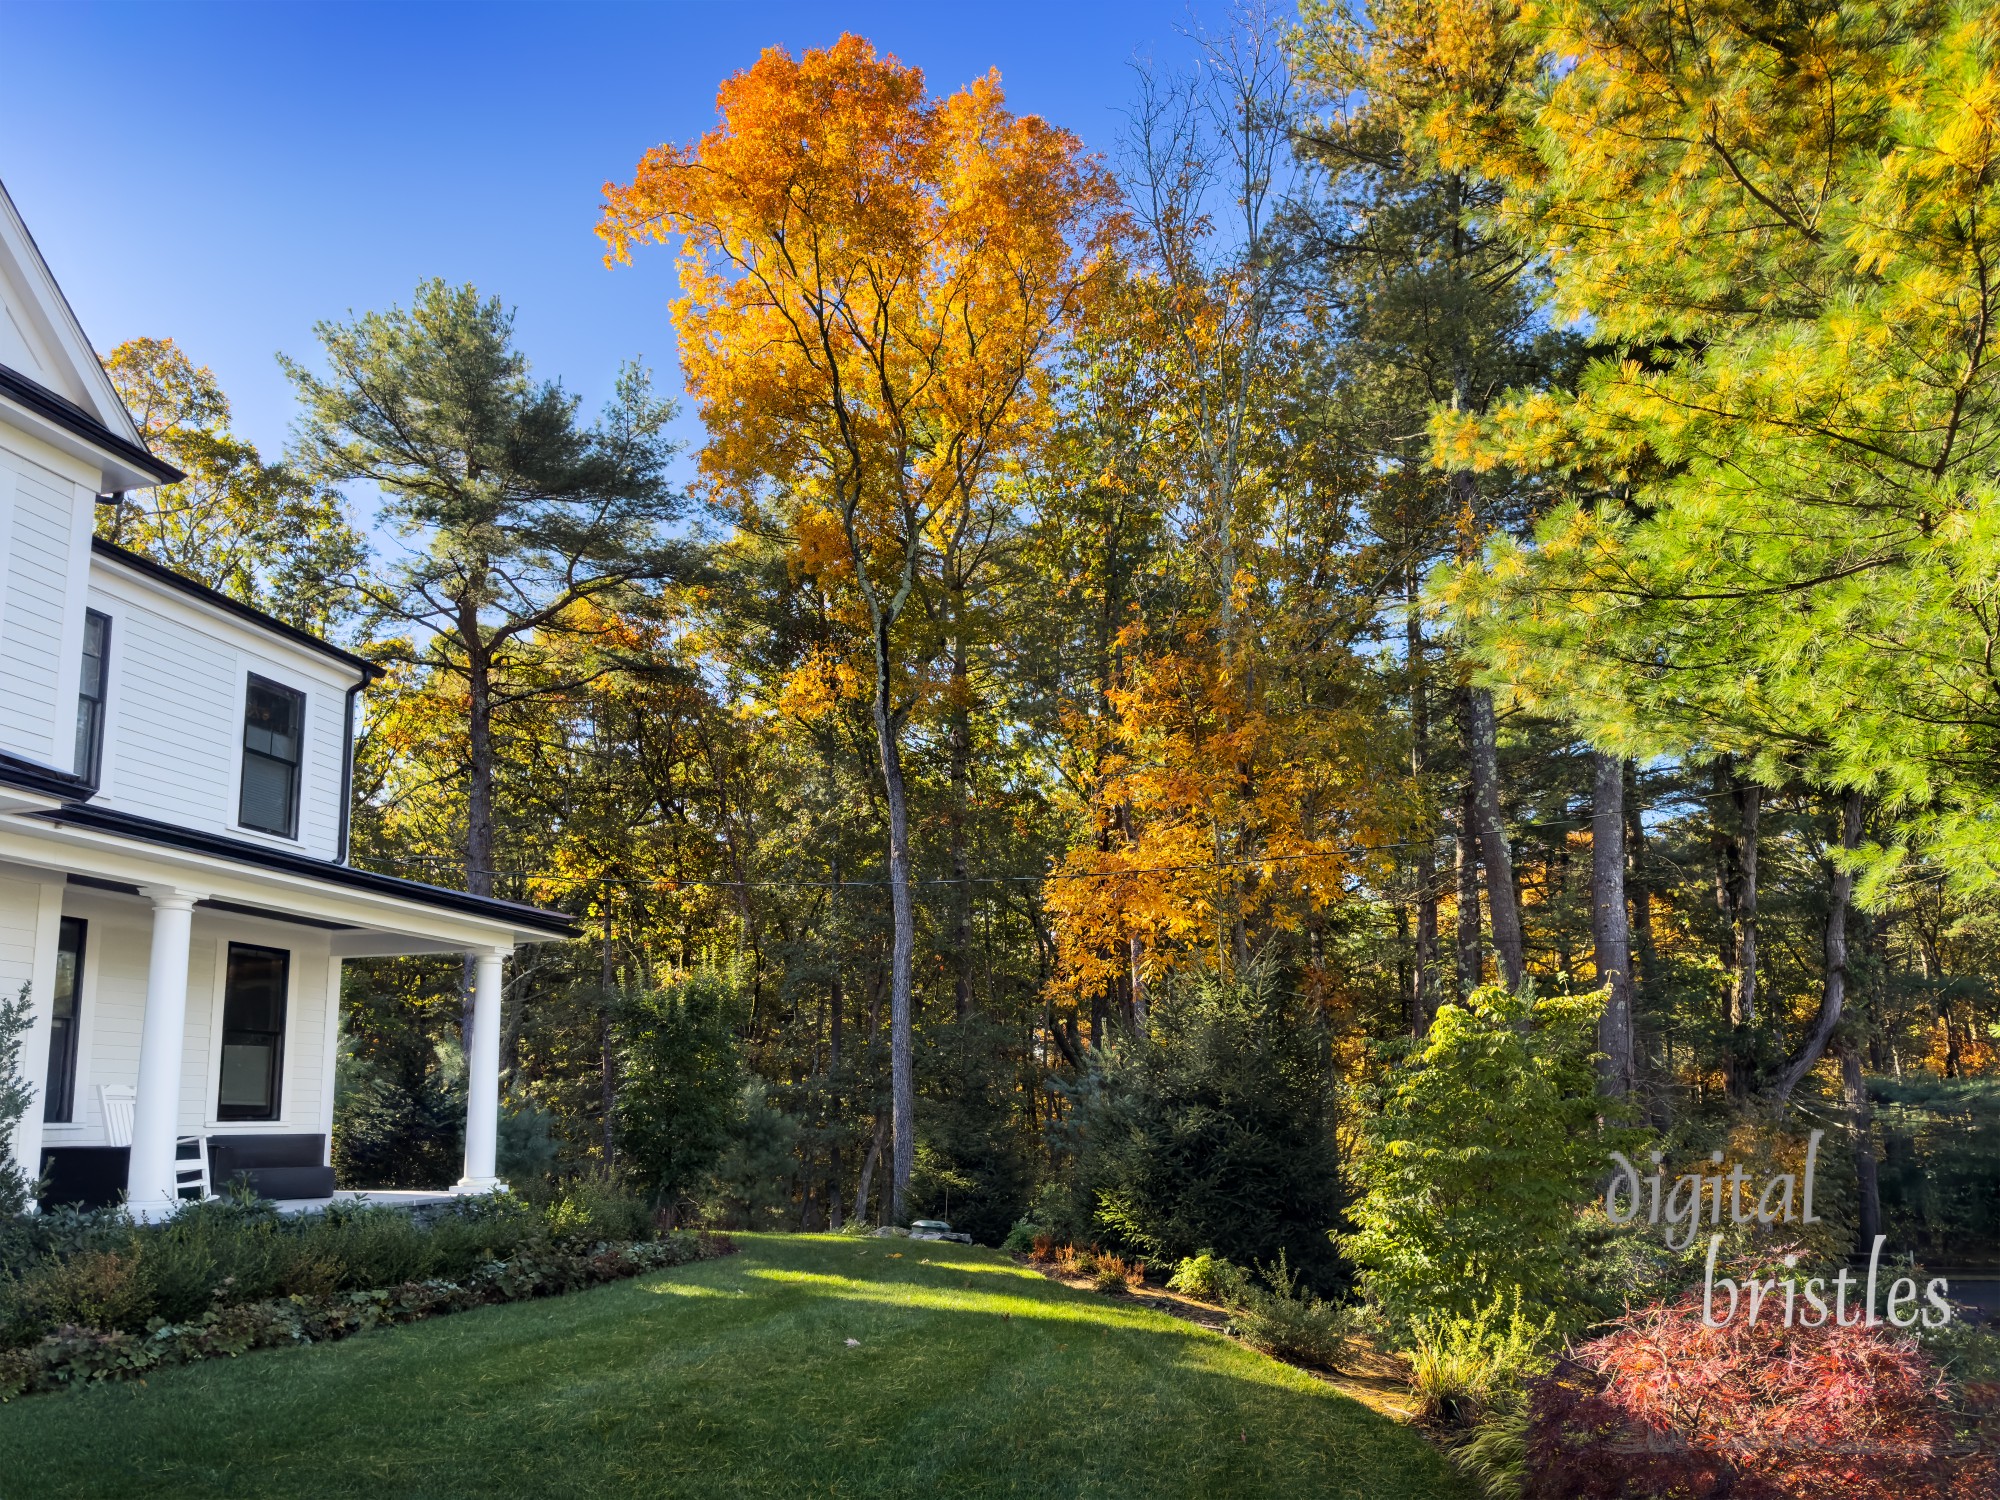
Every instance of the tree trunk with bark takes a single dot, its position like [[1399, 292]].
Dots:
[[1482, 742], [1861, 1120], [960, 757], [1471, 960], [1617, 1072], [1637, 887], [902, 1080], [1423, 1004], [1833, 987]]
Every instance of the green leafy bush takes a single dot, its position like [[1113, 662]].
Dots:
[[681, 1079], [597, 1206], [1216, 1129], [1477, 1166], [1209, 1277], [1021, 1238], [1288, 1322], [78, 1355], [98, 1289], [15, 1098]]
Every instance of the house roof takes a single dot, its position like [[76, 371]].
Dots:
[[50, 333], [168, 835], [79, 423], [46, 781], [218, 600]]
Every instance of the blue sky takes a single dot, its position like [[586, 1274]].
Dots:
[[225, 175]]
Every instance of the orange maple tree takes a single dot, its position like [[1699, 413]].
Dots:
[[874, 281]]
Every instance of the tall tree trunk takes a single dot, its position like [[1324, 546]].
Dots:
[[1637, 887], [1423, 1004], [1833, 987], [1503, 909], [1749, 803], [874, 1155], [961, 799], [606, 1063], [1471, 961], [902, 1082], [834, 1006], [1861, 1119], [479, 768], [1617, 1072]]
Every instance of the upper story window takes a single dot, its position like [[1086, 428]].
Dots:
[[90, 696], [273, 735]]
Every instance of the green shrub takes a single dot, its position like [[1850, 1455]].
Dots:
[[1476, 1168], [16, 1097], [597, 1206], [1215, 1128], [1288, 1322], [97, 1289], [1463, 1369], [681, 1082], [77, 1355], [751, 1184], [376, 1246], [1209, 1277], [1021, 1238]]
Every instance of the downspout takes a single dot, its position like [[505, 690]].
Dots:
[[347, 770]]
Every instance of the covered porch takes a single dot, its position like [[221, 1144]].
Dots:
[[186, 1001]]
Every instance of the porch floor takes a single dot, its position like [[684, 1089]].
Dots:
[[379, 1197]]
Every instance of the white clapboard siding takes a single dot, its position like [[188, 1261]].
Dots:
[[35, 615], [174, 711]]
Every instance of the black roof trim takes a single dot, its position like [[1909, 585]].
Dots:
[[72, 418], [140, 564], [31, 776], [148, 830]]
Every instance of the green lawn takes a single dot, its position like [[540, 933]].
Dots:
[[734, 1377]]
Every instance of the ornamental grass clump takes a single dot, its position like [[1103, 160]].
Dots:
[[1667, 1405]]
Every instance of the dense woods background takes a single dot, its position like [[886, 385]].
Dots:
[[1461, 496]]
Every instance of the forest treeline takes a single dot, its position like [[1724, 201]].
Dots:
[[1464, 494]]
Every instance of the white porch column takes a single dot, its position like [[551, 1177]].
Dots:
[[149, 1184], [482, 1077]]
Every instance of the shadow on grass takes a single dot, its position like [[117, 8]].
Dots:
[[967, 1376]]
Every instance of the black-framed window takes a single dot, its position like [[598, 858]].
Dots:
[[90, 696], [273, 734], [253, 1032], [59, 1097]]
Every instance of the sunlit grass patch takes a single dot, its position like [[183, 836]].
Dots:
[[966, 1376]]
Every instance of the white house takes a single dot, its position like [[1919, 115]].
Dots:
[[174, 773]]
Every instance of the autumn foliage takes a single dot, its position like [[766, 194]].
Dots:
[[1664, 1406]]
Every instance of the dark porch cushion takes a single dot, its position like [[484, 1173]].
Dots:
[[84, 1176], [275, 1166]]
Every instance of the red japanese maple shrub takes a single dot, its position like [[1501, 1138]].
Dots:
[[1664, 1406]]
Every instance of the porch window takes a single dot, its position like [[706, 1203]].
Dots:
[[253, 1032], [59, 1097], [273, 721], [90, 696]]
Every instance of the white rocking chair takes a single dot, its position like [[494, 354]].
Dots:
[[119, 1101], [191, 1168]]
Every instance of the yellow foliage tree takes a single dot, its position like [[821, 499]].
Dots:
[[874, 281]]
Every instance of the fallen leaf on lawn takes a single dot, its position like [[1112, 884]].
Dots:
[[895, 1255]]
